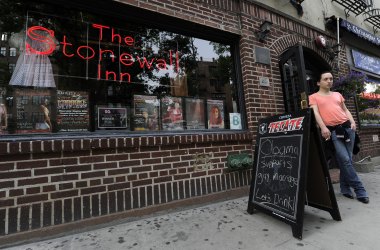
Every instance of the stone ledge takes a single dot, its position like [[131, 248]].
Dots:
[[367, 165]]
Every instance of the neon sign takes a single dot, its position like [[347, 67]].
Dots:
[[86, 52]]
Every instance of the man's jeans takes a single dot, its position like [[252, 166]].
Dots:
[[343, 155]]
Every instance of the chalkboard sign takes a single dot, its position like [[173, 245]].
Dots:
[[278, 173], [282, 157]]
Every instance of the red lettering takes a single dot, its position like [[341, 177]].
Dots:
[[145, 62], [64, 47], [177, 60], [298, 123], [125, 74], [272, 127], [110, 73], [161, 64], [286, 125], [46, 37], [100, 27], [129, 40], [113, 35], [33, 34], [126, 59], [88, 48]]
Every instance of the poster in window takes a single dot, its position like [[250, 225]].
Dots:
[[72, 111], [235, 121], [172, 113], [146, 110], [369, 105], [33, 109], [195, 114], [112, 117], [215, 114]]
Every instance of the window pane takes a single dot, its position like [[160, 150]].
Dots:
[[369, 104], [95, 73], [12, 52]]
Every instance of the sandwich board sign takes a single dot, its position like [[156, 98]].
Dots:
[[290, 170]]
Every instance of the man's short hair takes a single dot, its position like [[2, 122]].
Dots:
[[321, 73]]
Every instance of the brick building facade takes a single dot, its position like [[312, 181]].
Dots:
[[66, 182]]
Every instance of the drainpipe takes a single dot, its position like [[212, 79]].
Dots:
[[337, 34]]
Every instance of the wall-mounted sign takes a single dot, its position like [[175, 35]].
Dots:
[[264, 81], [360, 32], [366, 62], [262, 55], [320, 41]]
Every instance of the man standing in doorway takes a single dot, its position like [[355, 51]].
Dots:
[[337, 124]]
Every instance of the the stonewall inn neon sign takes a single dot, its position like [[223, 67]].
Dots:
[[86, 52]]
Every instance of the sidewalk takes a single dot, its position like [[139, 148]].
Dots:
[[227, 226]]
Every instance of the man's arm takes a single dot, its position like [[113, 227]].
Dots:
[[349, 115], [324, 130]]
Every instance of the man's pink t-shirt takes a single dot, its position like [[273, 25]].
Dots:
[[330, 108]]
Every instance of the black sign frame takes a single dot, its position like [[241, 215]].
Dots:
[[290, 169]]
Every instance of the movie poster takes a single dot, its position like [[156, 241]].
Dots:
[[146, 113], [72, 111], [195, 114], [33, 110], [112, 118], [215, 114], [172, 113]]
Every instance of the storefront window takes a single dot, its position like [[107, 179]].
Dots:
[[78, 71], [369, 104]]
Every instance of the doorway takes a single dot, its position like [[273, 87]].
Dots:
[[299, 67]]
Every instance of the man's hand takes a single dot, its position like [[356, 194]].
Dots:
[[353, 126], [326, 134]]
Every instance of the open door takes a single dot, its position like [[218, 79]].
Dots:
[[293, 74]]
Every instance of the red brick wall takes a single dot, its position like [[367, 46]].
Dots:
[[45, 183]]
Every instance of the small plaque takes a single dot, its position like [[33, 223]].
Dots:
[[262, 55], [264, 81]]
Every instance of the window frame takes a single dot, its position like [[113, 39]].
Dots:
[[170, 24]]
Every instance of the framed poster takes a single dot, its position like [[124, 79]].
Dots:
[[112, 117], [72, 111], [146, 110], [172, 113], [195, 113], [33, 109], [215, 114]]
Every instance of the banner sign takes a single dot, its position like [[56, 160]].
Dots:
[[360, 32], [366, 62]]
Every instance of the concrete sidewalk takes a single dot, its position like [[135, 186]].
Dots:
[[227, 226]]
